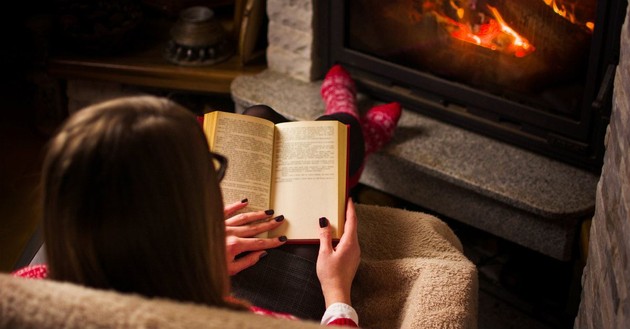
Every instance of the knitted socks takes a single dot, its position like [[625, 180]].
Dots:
[[339, 92], [378, 126]]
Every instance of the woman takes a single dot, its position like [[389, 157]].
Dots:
[[132, 203]]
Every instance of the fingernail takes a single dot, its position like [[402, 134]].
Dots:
[[269, 212], [282, 238], [279, 218], [263, 254], [244, 200], [323, 222]]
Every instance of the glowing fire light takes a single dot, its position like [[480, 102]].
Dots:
[[567, 13], [495, 34], [522, 45]]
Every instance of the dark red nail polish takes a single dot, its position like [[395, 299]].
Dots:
[[279, 218], [269, 212], [323, 222], [244, 200], [282, 238]]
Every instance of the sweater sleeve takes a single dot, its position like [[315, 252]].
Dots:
[[39, 271], [340, 314]]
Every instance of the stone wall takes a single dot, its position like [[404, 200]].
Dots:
[[605, 299], [291, 37]]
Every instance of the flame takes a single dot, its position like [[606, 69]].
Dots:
[[523, 46], [495, 34], [568, 13]]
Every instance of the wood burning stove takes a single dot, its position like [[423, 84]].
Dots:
[[534, 73]]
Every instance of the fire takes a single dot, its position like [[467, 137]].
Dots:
[[493, 33], [568, 12], [522, 46], [484, 26]]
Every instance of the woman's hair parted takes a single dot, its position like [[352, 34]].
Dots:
[[131, 203]]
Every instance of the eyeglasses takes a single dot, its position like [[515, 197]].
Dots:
[[220, 164]]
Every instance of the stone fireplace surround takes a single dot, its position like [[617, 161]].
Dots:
[[501, 189]]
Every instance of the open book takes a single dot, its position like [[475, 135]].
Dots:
[[298, 169]]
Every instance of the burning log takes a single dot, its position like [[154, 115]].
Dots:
[[562, 46]]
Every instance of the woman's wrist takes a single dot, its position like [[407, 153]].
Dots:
[[337, 296]]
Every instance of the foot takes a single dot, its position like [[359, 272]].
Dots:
[[379, 124], [339, 92]]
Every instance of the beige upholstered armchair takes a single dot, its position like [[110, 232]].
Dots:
[[413, 275]]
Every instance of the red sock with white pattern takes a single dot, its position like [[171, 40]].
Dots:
[[339, 92], [378, 126]]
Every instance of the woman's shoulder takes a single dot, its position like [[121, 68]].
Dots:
[[39, 271]]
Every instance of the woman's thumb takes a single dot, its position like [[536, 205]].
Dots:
[[325, 241]]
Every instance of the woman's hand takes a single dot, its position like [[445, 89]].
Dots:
[[240, 232], [336, 267]]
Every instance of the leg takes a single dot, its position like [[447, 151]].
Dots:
[[374, 130], [356, 144], [265, 112], [355, 167], [285, 280], [378, 126], [339, 92], [282, 282]]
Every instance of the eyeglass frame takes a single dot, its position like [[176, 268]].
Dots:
[[223, 163]]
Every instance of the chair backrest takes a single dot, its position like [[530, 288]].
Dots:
[[26, 303], [413, 274]]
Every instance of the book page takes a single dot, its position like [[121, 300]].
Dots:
[[309, 179], [247, 142]]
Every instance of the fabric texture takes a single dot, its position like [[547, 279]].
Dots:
[[46, 304], [413, 274], [338, 312], [379, 125], [39, 271], [338, 92], [282, 282]]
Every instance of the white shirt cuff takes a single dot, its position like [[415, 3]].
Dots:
[[339, 310]]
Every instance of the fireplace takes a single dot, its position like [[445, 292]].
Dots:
[[534, 73]]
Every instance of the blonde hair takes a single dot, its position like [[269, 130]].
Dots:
[[132, 203]]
